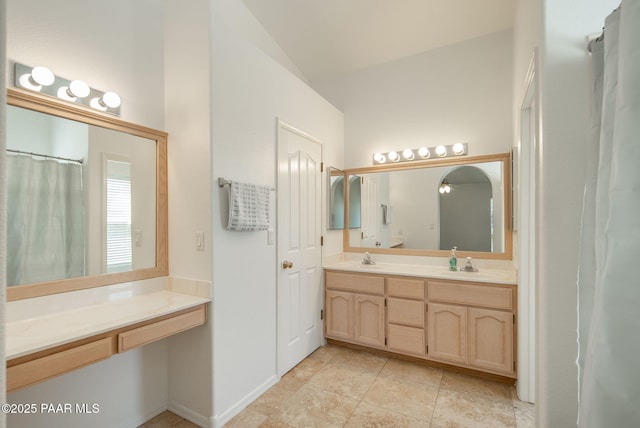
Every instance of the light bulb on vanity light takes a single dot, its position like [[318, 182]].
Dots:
[[458, 148], [379, 157], [423, 152], [441, 150], [394, 156], [76, 89], [108, 100], [408, 154], [40, 76]]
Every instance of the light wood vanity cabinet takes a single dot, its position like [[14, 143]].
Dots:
[[406, 316], [42, 365], [355, 308], [467, 324], [472, 324]]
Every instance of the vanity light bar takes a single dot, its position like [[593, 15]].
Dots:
[[423, 153], [41, 79]]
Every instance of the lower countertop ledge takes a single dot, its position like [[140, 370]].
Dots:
[[27, 336]]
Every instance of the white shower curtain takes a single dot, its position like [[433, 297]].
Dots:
[[45, 220], [609, 274]]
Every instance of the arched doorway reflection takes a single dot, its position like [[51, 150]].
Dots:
[[466, 210]]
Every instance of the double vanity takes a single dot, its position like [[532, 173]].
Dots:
[[464, 319]]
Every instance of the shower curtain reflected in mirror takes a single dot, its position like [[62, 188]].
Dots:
[[45, 220]]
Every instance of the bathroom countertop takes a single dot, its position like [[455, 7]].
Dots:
[[494, 276], [34, 334]]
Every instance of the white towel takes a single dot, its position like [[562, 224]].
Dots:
[[387, 212], [248, 207]]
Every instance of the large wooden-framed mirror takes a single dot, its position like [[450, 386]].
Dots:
[[407, 210], [87, 198]]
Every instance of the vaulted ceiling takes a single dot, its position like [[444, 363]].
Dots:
[[325, 38]]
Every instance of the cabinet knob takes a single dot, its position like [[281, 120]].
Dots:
[[287, 264]]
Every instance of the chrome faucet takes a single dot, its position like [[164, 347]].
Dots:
[[367, 260], [468, 267]]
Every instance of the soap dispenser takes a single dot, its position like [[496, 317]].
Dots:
[[453, 261]]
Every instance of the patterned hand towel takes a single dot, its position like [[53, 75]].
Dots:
[[248, 207]]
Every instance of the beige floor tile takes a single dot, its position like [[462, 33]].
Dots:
[[275, 422], [306, 369], [271, 401], [359, 360], [465, 409], [370, 416], [248, 418], [313, 407], [409, 399], [525, 414], [325, 353], [471, 384], [165, 419], [185, 424], [406, 371], [343, 381]]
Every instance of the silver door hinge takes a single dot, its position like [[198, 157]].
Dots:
[[321, 166], [321, 314], [321, 241]]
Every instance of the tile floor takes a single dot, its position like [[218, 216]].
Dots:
[[339, 387]]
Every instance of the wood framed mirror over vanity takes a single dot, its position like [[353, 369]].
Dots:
[[87, 231], [402, 212]]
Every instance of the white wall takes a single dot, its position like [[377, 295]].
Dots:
[[79, 40], [249, 93], [188, 112], [566, 97], [458, 93]]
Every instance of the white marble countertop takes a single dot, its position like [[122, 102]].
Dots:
[[29, 335], [485, 274]]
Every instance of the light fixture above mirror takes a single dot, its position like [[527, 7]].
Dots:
[[421, 154], [42, 80]]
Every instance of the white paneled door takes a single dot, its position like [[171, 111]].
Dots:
[[299, 252]]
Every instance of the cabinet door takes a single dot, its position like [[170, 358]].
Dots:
[[369, 326], [339, 319], [491, 340], [447, 336]]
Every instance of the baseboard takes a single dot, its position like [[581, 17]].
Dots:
[[190, 415], [220, 420]]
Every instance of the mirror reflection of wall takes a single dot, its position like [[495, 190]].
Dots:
[[56, 208]]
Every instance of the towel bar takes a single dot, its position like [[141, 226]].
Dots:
[[224, 182]]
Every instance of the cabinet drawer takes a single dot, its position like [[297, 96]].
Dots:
[[404, 339], [369, 284], [407, 288], [407, 312], [56, 364], [473, 295], [161, 329]]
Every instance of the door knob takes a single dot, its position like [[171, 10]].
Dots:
[[287, 264]]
